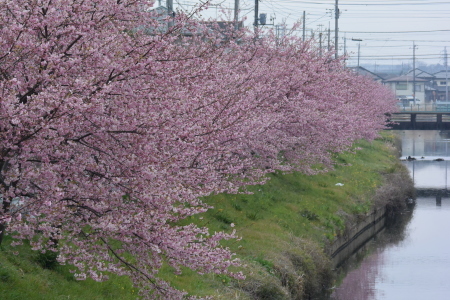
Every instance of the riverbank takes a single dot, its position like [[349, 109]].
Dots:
[[287, 228]]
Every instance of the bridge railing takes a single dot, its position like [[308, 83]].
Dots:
[[439, 106]]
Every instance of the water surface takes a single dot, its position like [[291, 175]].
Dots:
[[412, 259]]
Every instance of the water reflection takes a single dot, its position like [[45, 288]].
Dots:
[[410, 260], [364, 269], [426, 147], [364, 276], [427, 143], [418, 267], [429, 174]]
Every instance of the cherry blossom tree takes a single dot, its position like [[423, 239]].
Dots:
[[113, 127]]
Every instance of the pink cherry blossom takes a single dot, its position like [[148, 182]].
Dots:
[[111, 130]]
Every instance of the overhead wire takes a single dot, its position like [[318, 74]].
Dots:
[[364, 19]]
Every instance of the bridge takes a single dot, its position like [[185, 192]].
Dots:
[[433, 116], [439, 194]]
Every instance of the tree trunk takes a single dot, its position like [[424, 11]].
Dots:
[[3, 224], [2, 232]]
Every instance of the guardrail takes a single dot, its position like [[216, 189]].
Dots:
[[439, 106]]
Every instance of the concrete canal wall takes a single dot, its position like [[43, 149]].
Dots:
[[356, 236]]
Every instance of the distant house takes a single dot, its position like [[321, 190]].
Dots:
[[420, 74], [364, 72], [442, 80], [160, 15], [403, 86], [430, 85]]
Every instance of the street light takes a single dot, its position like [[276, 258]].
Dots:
[[359, 44]]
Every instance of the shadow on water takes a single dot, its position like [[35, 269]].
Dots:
[[410, 258], [356, 275]]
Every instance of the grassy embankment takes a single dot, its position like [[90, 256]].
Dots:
[[284, 225]]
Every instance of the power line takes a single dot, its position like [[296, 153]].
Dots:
[[386, 26], [395, 32], [375, 3]]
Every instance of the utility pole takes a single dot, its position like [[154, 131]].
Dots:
[[320, 26], [336, 17], [329, 35], [414, 72], [446, 74], [345, 47], [304, 25], [236, 14], [320, 39], [277, 34], [320, 43], [256, 14], [169, 4], [359, 44]]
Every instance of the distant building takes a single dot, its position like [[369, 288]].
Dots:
[[427, 88], [430, 85], [364, 72], [442, 81], [421, 74], [403, 86]]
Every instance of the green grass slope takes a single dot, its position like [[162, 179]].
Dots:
[[285, 225]]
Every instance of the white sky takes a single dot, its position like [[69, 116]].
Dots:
[[387, 27]]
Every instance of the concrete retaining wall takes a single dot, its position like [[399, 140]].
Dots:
[[357, 236]]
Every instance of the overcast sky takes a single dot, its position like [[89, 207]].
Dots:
[[387, 28]]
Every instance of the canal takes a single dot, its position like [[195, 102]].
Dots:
[[411, 258]]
